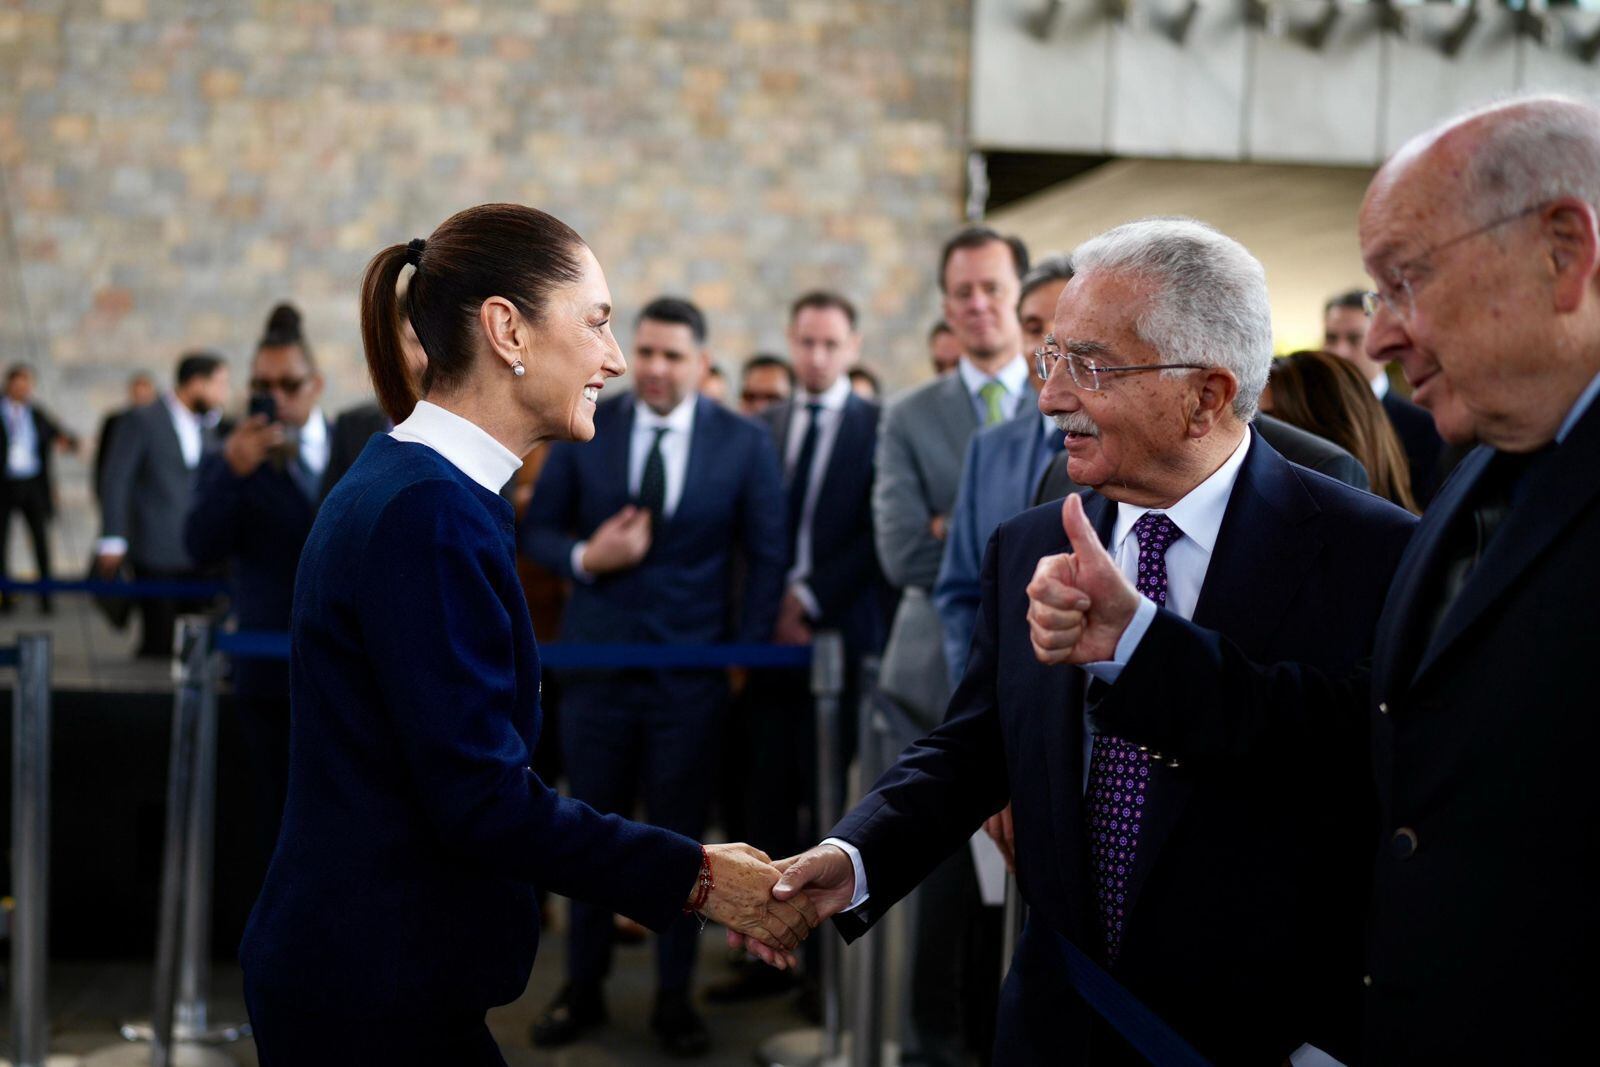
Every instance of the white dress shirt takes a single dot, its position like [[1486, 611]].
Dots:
[[189, 428], [1380, 385], [1013, 377], [679, 424], [464, 444], [312, 439], [833, 400], [22, 441]]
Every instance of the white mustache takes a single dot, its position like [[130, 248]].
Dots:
[[1076, 422]]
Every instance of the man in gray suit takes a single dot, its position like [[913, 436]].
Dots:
[[921, 446], [146, 483], [922, 441]]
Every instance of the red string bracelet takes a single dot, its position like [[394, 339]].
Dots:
[[703, 887]]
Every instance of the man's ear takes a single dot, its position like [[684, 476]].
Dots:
[[1213, 400], [1570, 228]]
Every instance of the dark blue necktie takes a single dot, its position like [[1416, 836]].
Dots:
[[800, 477], [653, 483]]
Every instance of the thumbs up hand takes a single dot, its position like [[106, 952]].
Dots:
[[1079, 602]]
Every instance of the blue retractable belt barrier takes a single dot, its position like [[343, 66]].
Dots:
[[257, 645], [1138, 1025], [147, 590], [8, 656]]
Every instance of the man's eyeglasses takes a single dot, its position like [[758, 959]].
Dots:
[[751, 396], [286, 386], [1086, 371], [1397, 291]]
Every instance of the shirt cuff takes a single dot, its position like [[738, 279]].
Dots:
[[111, 546], [1108, 671], [576, 559], [860, 896], [808, 600], [1312, 1056]]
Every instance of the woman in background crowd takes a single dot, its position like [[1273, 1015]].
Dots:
[[1327, 396]]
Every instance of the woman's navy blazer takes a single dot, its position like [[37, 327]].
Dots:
[[416, 830]]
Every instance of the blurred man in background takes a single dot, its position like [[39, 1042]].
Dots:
[[765, 380], [944, 351], [28, 439], [148, 484], [141, 391]]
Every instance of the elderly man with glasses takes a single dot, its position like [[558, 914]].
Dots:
[[1483, 236], [1225, 892]]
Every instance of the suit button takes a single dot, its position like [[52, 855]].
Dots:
[[1403, 845], [1383, 708], [1366, 980]]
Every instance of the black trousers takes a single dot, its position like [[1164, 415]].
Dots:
[[955, 985], [289, 1032], [158, 617], [30, 496], [264, 721]]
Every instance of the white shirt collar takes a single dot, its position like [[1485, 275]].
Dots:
[[466, 445], [180, 411], [680, 418], [1380, 386], [1199, 514], [832, 398], [315, 431], [1014, 376]]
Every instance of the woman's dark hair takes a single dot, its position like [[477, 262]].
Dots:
[[504, 250], [1327, 396], [284, 329]]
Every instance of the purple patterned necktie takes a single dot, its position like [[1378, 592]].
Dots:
[[1118, 771]]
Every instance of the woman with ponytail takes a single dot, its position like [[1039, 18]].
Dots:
[[400, 902], [251, 512]]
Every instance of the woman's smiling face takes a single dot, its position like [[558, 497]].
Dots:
[[574, 353]]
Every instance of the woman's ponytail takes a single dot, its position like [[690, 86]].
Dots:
[[380, 332]]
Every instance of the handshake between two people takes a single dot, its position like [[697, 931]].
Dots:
[[769, 908]]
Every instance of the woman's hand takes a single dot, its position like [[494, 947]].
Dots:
[[742, 901]]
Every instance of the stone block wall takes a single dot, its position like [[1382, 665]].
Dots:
[[173, 168]]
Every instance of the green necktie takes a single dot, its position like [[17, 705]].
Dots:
[[991, 393]]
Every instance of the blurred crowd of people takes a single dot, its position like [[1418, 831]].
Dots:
[[706, 511]]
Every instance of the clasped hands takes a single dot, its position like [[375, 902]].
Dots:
[[769, 908]]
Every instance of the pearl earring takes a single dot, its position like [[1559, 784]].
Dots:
[[518, 369]]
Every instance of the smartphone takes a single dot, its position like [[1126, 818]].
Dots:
[[264, 404]]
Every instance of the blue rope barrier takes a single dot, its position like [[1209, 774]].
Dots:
[[1140, 1027], [142, 590], [247, 644]]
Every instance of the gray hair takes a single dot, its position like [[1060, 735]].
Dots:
[[1053, 268], [1210, 303], [1533, 150]]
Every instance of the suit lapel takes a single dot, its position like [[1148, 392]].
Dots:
[[1396, 648], [619, 445], [1257, 564], [1557, 489], [698, 467], [849, 443]]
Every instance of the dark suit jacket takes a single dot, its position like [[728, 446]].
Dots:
[[45, 431], [145, 489], [844, 575], [257, 527], [415, 832], [102, 446], [1423, 446], [732, 493], [1484, 929], [1246, 897], [351, 431]]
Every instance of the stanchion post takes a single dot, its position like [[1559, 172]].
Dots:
[[199, 667], [866, 1009], [30, 844], [174, 884], [827, 685]]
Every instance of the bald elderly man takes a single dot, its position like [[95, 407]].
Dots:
[[1479, 707]]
